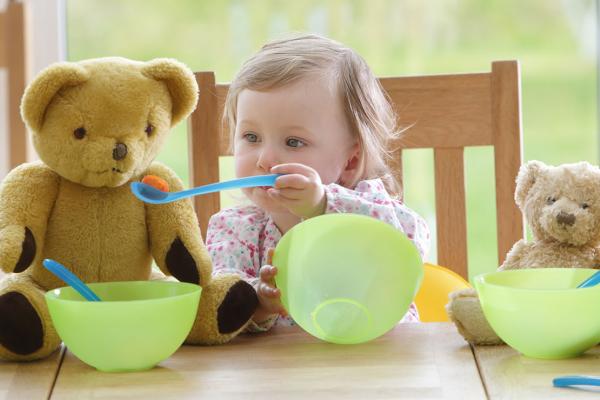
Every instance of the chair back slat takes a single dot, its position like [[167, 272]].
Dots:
[[450, 210], [508, 152], [203, 147]]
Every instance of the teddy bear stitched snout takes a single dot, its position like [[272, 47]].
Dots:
[[119, 151], [564, 218]]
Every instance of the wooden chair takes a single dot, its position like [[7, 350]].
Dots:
[[13, 59], [447, 113]]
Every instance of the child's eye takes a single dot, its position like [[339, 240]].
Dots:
[[251, 137], [293, 142]]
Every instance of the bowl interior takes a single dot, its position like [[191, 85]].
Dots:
[[347, 278], [128, 291], [538, 278]]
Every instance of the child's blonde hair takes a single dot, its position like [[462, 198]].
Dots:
[[370, 115]]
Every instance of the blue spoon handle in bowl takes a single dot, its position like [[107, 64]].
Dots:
[[591, 281], [576, 380], [70, 279]]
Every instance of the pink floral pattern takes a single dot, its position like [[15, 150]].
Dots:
[[238, 238]]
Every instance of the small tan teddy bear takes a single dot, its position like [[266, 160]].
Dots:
[[562, 207], [97, 126]]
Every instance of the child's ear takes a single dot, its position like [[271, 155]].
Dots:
[[353, 167]]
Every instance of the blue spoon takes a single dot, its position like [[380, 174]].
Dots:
[[591, 281], [70, 279], [152, 195], [576, 380]]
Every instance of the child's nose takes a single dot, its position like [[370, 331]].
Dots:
[[267, 159]]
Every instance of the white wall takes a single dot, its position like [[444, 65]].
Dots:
[[46, 42], [3, 123], [3, 114], [47, 37]]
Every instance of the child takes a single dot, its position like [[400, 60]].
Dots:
[[310, 108]]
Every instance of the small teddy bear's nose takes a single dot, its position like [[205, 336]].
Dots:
[[120, 151], [564, 218]]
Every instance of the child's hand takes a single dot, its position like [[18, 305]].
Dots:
[[269, 296], [299, 190]]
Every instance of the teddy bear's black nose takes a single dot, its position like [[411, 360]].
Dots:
[[120, 151], [564, 218]]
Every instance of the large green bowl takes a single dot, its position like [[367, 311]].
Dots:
[[539, 311], [346, 278], [135, 326]]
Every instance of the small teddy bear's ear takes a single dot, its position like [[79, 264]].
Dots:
[[527, 176], [181, 83], [45, 86]]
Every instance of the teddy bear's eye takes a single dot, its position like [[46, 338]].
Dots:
[[149, 129], [585, 206], [550, 200], [79, 133]]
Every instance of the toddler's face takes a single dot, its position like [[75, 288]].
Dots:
[[303, 122]]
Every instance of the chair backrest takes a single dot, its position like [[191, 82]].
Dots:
[[12, 58], [447, 114]]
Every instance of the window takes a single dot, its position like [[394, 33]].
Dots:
[[556, 50]]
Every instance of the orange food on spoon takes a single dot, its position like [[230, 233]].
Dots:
[[156, 182]]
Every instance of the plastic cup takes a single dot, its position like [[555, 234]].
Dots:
[[346, 278], [135, 326]]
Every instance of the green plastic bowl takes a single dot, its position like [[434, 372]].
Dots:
[[346, 278], [539, 312], [135, 326]]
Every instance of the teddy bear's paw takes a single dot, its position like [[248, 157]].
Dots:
[[26, 332], [226, 306], [237, 307], [465, 311], [17, 248], [21, 330], [181, 263]]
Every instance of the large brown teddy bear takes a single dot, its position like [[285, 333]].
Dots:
[[97, 125], [562, 207]]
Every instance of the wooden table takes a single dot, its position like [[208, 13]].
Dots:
[[413, 361], [32, 380], [420, 361], [508, 375]]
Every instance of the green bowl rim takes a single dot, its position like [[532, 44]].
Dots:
[[479, 279], [360, 217], [53, 297]]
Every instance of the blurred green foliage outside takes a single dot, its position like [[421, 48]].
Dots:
[[554, 41]]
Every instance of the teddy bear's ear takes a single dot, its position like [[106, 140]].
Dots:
[[528, 173], [45, 86], [181, 83]]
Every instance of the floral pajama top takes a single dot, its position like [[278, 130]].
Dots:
[[238, 238]]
